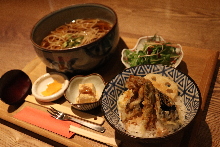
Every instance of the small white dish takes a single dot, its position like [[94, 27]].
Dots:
[[42, 82], [72, 92], [140, 44]]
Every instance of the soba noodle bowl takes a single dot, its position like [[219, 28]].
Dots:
[[77, 33]]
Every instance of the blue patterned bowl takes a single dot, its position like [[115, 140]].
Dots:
[[76, 59], [187, 89]]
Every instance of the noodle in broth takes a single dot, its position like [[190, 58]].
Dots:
[[77, 33]]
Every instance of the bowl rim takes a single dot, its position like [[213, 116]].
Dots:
[[70, 7], [155, 138], [78, 76], [144, 38]]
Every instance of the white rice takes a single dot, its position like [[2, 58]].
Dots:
[[163, 129]]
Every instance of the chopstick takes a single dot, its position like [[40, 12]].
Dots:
[[108, 140], [78, 114]]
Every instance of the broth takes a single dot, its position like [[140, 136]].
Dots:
[[76, 33]]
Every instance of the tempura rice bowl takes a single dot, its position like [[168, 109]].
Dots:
[[187, 89]]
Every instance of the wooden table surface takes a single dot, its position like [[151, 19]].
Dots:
[[194, 24]]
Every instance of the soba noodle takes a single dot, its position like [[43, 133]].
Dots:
[[77, 33]]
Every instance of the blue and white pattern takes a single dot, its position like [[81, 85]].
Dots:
[[186, 86]]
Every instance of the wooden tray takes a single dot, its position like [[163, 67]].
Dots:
[[197, 63]]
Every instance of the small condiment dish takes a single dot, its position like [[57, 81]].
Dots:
[[140, 45], [72, 92], [41, 85]]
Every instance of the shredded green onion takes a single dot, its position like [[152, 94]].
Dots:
[[73, 41]]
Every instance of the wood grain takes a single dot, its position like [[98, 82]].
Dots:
[[14, 137], [194, 24]]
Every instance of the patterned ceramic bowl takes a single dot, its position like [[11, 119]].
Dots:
[[140, 45], [72, 91], [76, 59], [187, 89]]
